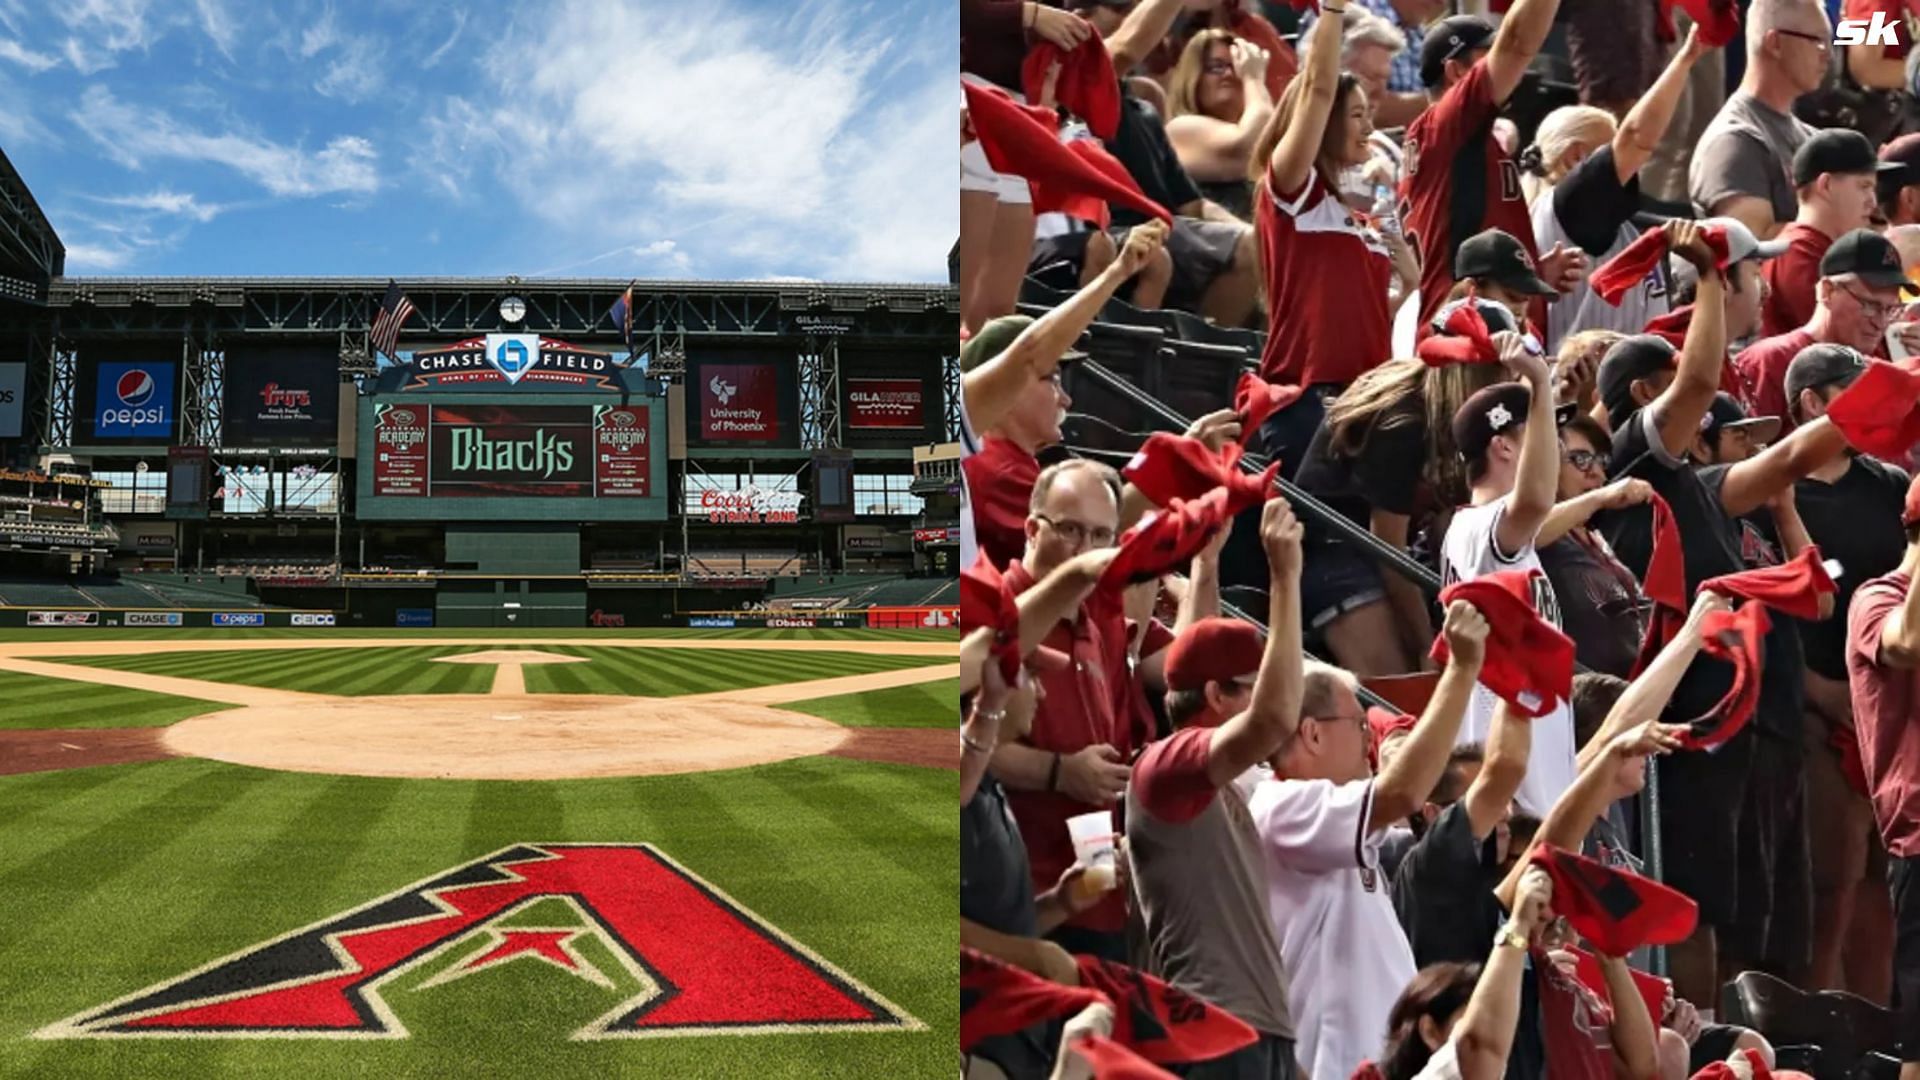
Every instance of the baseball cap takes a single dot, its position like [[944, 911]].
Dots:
[[1630, 358], [1904, 154], [1869, 256], [1214, 650], [1726, 412], [1495, 410], [1836, 150], [1910, 513], [1451, 39], [996, 337], [1498, 257], [1496, 315], [1823, 365], [1742, 244]]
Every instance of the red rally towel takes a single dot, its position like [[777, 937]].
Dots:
[[1255, 399], [1167, 539], [1739, 638], [1794, 587], [1462, 339], [1655, 992], [1749, 1066], [1112, 1061], [1529, 662], [1617, 910], [1665, 584], [1719, 20], [1000, 999], [1021, 140], [1383, 724], [1612, 279], [1162, 1023], [986, 599], [1878, 413], [1673, 326], [1169, 467], [1087, 85]]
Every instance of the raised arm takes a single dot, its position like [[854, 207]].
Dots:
[[1251, 737], [1484, 1037], [992, 388], [1900, 632], [1213, 149], [1636, 1041], [1795, 539], [1293, 154], [1646, 122], [1754, 482], [1646, 697], [1145, 25], [1408, 779], [1509, 745], [1516, 43], [1570, 514], [1538, 473], [1202, 597], [1678, 410]]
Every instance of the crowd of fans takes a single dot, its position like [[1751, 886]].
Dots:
[[1629, 376]]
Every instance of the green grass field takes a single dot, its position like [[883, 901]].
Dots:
[[119, 877]]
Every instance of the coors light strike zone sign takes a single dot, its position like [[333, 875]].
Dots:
[[750, 506]]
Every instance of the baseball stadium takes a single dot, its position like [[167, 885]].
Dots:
[[414, 677]]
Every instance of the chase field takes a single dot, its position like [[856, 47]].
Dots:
[[389, 853]]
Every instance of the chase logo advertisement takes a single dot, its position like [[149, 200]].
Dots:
[[511, 359], [134, 400], [153, 618], [239, 618]]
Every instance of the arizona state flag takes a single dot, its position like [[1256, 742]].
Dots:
[[1159, 1022], [1618, 911], [1000, 999]]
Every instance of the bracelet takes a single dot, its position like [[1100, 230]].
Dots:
[[974, 745], [993, 717], [1053, 774]]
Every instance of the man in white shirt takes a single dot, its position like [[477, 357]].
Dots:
[[1510, 441], [1321, 822]]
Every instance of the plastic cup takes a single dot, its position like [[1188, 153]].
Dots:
[[1093, 848]]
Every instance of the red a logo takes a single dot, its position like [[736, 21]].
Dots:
[[659, 950]]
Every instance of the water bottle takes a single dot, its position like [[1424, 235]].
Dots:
[[1386, 213]]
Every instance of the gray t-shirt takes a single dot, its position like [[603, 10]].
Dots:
[[1747, 150]]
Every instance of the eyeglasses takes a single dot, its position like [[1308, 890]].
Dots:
[[1584, 460], [1871, 308], [1354, 718], [1076, 533], [1822, 42], [1217, 67]]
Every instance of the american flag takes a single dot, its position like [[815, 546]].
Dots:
[[394, 310]]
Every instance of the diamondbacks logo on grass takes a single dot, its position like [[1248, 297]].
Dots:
[[641, 944]]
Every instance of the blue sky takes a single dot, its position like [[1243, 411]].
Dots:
[[591, 138]]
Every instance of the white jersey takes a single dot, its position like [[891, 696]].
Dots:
[[1471, 550], [1346, 957]]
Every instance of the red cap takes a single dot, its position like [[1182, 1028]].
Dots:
[[1213, 650], [1911, 513]]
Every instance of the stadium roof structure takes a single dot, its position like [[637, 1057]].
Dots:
[[31, 254]]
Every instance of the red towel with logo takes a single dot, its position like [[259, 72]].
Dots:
[[1021, 140], [1167, 539], [1617, 910], [1255, 399], [1718, 20], [1612, 279], [1462, 339], [1665, 584], [1529, 662], [1878, 413], [999, 999], [1162, 1023], [1112, 1061], [1169, 467], [1794, 587], [1087, 85]]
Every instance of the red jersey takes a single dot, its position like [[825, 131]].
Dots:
[[1790, 277], [1885, 701], [1893, 12], [1459, 183], [999, 486], [1763, 373], [1327, 273]]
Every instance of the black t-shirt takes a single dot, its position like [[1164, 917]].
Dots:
[[1783, 681], [1443, 891], [1601, 606], [1591, 202], [1856, 520], [1141, 144], [996, 887], [1385, 474]]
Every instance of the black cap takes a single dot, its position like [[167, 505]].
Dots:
[[1727, 412], [1835, 150], [1818, 366], [1630, 358], [1868, 256], [1903, 154], [1498, 257], [1451, 39], [1495, 410]]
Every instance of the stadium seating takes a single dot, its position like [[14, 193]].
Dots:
[[40, 592], [113, 593]]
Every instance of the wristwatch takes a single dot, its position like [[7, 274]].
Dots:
[[1510, 936]]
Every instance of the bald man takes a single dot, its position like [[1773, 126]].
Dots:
[[1743, 165]]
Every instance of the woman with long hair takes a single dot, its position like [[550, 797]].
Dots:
[[1326, 270], [1217, 105]]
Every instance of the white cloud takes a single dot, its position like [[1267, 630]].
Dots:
[[219, 25], [96, 257], [320, 35], [353, 72], [33, 61], [134, 134], [758, 136], [459, 24], [165, 202], [102, 29]]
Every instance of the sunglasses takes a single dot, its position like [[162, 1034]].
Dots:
[[1217, 67], [1804, 36], [1584, 460]]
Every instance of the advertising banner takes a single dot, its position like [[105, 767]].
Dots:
[[739, 403], [950, 535], [239, 618], [413, 617], [512, 359], [281, 396], [312, 618], [711, 621], [63, 618], [400, 449], [13, 398], [495, 450], [134, 400], [153, 618], [622, 449], [906, 618], [884, 405], [749, 506]]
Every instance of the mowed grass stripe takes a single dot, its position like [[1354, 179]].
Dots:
[[31, 701], [923, 705], [352, 672], [668, 672]]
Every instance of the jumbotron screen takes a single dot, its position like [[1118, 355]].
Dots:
[[441, 455]]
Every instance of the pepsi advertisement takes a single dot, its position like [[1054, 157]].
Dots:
[[133, 401]]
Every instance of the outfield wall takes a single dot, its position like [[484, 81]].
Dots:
[[426, 613], [55, 619]]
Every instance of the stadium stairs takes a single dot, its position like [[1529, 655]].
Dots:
[[1154, 371]]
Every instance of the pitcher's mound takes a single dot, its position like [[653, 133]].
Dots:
[[485, 737], [510, 656]]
